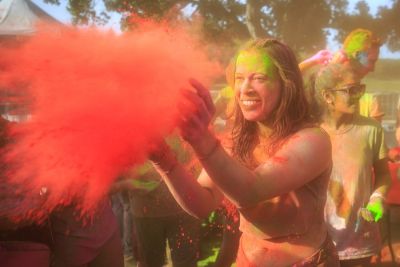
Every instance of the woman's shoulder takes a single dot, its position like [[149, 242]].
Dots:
[[312, 138], [308, 142], [315, 132]]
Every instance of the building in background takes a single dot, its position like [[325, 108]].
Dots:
[[18, 19]]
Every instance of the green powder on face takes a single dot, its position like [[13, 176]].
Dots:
[[257, 61]]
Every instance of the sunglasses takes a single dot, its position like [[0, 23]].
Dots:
[[356, 90]]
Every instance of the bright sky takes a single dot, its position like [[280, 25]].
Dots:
[[61, 13]]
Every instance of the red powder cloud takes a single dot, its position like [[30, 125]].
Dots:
[[100, 102]]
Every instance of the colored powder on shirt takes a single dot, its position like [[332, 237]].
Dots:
[[98, 104]]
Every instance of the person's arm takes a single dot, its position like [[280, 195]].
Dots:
[[382, 177], [302, 159], [376, 109], [398, 134], [299, 161], [376, 204], [198, 197], [375, 207], [322, 57]]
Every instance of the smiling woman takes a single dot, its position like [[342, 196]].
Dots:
[[269, 171], [257, 85]]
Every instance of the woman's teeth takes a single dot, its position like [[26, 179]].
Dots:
[[249, 102]]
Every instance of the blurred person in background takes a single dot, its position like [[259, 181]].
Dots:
[[22, 242], [157, 217], [360, 51], [360, 177]]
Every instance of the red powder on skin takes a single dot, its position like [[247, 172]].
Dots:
[[232, 215], [100, 103], [280, 160]]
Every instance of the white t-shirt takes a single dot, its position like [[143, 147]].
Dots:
[[354, 151]]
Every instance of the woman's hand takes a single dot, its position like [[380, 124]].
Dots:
[[339, 57], [377, 208], [194, 124], [163, 158], [322, 57], [159, 153], [374, 210]]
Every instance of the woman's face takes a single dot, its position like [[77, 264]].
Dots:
[[346, 96], [257, 85]]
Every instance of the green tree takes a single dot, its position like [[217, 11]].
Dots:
[[389, 25], [303, 24]]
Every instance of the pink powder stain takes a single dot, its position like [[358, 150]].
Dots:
[[232, 216], [278, 159], [100, 102]]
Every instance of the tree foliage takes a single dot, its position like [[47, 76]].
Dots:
[[386, 23], [303, 24]]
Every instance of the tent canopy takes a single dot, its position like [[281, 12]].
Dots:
[[18, 17]]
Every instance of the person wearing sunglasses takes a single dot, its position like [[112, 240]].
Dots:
[[359, 53], [355, 90], [355, 201]]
